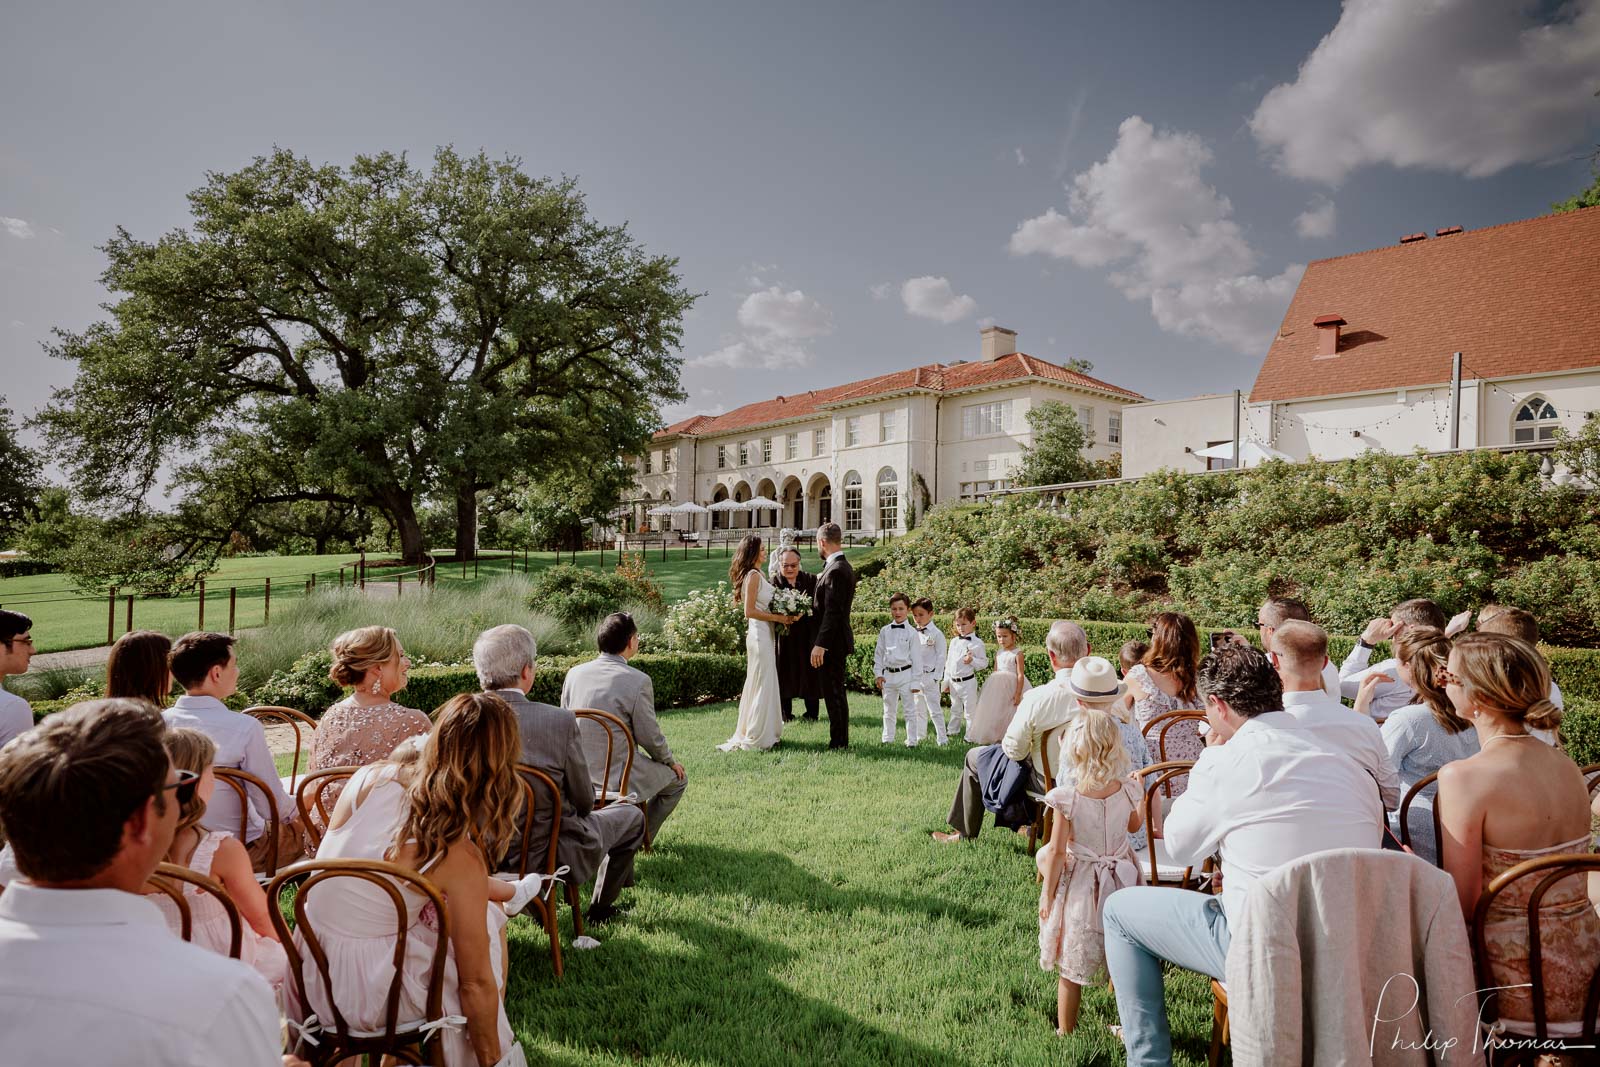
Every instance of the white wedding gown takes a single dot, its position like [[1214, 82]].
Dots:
[[760, 712]]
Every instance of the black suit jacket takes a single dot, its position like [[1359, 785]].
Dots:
[[836, 592]]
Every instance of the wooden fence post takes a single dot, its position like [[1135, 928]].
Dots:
[[266, 605], [233, 607], [399, 586], [129, 628], [111, 616], [201, 624]]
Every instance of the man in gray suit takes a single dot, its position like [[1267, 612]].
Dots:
[[598, 844], [608, 683]]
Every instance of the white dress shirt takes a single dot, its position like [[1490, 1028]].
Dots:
[[95, 976], [1386, 696], [1351, 733], [933, 653], [1274, 792], [898, 647], [1040, 711], [242, 744], [16, 716], [1330, 678], [954, 667]]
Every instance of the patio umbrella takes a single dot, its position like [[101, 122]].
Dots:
[[1250, 453], [762, 503], [689, 507], [663, 509], [729, 505]]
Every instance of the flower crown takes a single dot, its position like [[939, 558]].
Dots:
[[1008, 624]]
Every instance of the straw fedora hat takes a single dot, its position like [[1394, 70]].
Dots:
[[1095, 679]]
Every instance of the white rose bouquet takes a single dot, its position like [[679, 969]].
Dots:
[[789, 602]]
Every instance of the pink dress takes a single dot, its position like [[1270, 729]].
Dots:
[[1099, 861], [349, 735], [355, 922], [1183, 740], [208, 922], [989, 720]]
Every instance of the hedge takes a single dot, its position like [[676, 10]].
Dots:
[[680, 680], [24, 568]]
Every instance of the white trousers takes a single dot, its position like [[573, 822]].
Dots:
[[926, 705], [963, 702], [897, 692]]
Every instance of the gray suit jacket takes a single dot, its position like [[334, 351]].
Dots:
[[550, 743], [607, 683]]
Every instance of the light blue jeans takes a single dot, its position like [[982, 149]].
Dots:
[[1148, 924]]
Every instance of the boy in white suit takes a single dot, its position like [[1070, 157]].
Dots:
[[897, 666], [925, 704], [966, 658]]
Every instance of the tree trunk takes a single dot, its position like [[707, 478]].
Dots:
[[466, 520], [403, 513]]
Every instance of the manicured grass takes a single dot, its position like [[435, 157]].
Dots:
[[794, 911]]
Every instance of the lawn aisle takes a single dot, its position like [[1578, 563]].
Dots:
[[795, 912]]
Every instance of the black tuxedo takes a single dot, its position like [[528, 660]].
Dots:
[[836, 592]]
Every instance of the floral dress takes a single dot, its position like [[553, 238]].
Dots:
[[351, 735], [1099, 861], [1183, 740]]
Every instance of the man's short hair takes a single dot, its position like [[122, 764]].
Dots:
[[68, 786], [1419, 611], [1513, 622], [1241, 678], [899, 598], [193, 656], [500, 653], [966, 615], [1067, 641], [1277, 610], [13, 624], [614, 633], [830, 532], [1303, 644], [924, 603]]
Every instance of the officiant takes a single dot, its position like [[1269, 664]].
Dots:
[[796, 677]]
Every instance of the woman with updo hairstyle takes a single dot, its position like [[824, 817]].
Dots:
[[365, 726], [138, 667], [1517, 799]]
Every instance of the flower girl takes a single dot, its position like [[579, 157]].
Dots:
[[1003, 690]]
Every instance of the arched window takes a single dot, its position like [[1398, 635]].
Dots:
[[1536, 420], [666, 496], [852, 501], [888, 500]]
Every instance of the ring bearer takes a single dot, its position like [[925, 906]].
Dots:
[[897, 667], [926, 703], [962, 663]]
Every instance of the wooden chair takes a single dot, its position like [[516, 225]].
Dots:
[[1161, 725], [1591, 774], [620, 747], [241, 782], [1219, 1023], [1549, 870], [1039, 830], [401, 1038], [170, 880], [1153, 858], [299, 721], [311, 802], [1438, 825], [545, 905]]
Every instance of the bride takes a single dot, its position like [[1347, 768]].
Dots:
[[760, 714]]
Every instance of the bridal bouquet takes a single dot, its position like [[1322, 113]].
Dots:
[[789, 602]]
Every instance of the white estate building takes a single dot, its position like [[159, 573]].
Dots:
[[1365, 358], [862, 453]]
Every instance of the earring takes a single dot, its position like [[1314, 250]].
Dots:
[[377, 686]]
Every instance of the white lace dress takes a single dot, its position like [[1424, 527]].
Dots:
[[760, 710]]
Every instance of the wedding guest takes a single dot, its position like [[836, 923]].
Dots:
[[365, 726], [797, 679], [1517, 801], [450, 816], [597, 843], [1424, 736], [16, 649], [1131, 655], [1089, 856], [608, 683], [925, 701], [1266, 790], [1299, 650], [897, 669], [1165, 681], [1393, 694], [1094, 685], [139, 668], [1514, 622], [219, 856], [1003, 690], [205, 665], [965, 657], [89, 972], [1277, 610]]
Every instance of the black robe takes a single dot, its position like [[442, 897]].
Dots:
[[797, 679]]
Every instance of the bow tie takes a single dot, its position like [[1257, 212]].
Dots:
[[897, 626], [922, 629]]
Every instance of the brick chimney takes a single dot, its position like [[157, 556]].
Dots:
[[1327, 334], [997, 341], [1413, 238]]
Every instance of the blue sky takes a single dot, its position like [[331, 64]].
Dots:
[[855, 187]]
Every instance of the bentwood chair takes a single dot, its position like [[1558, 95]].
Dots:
[[546, 905], [242, 782], [311, 800], [304, 726], [1153, 859], [1438, 824], [1155, 731], [170, 880], [1591, 774], [1048, 756], [335, 1038], [1522, 1042], [618, 764]]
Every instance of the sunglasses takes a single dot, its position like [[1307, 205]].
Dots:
[[187, 783], [1445, 677]]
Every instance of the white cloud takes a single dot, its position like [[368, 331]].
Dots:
[[930, 297], [755, 353], [882, 290], [791, 316], [1472, 86], [1319, 219], [1022, 160], [1146, 212], [18, 228]]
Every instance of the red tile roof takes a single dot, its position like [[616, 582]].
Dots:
[[1519, 298], [931, 377]]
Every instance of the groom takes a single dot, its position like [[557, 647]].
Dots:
[[836, 591]]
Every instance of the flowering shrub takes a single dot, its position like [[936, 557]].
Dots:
[[707, 620], [574, 594]]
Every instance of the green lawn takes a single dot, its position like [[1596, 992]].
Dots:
[[795, 912]]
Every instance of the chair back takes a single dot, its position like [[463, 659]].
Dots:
[[311, 800], [1591, 775], [619, 749], [535, 783], [1155, 731], [1155, 779], [304, 726], [304, 945], [242, 782], [1548, 870], [1049, 753], [170, 880], [1438, 824]]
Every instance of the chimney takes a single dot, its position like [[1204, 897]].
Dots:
[[1413, 238], [997, 341], [1327, 334], [1447, 231]]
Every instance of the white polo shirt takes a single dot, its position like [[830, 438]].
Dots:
[[96, 976]]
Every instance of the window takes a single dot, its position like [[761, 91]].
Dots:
[[852, 431], [744, 454], [980, 420], [1536, 420], [852, 502], [791, 446], [1219, 464], [649, 457], [980, 466], [888, 500], [819, 442], [979, 490], [666, 459], [766, 450], [722, 457], [1086, 420], [888, 425], [1114, 430]]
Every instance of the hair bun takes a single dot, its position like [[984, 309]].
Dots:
[[1542, 715]]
